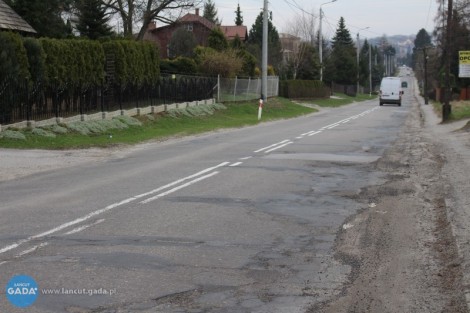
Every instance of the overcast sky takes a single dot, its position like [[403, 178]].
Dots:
[[390, 17]]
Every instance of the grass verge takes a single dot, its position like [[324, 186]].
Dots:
[[161, 126], [460, 109]]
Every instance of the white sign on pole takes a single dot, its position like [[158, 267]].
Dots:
[[464, 64]]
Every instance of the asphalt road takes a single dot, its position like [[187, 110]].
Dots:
[[241, 220]]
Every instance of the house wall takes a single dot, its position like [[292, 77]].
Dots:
[[162, 36]]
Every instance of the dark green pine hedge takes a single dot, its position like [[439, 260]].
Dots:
[[303, 89], [77, 62]]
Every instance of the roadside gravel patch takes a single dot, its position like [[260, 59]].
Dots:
[[20, 163]]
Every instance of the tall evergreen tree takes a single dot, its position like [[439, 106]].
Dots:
[[364, 64], [239, 17], [255, 41], [342, 36], [210, 12], [422, 40], [342, 65], [92, 19], [44, 16]]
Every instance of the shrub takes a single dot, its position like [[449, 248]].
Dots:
[[113, 124], [196, 111], [298, 89], [79, 127], [59, 129], [180, 65], [95, 127], [226, 64], [13, 134], [128, 120], [43, 133]]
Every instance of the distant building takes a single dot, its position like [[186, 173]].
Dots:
[[290, 46], [10, 20], [198, 25], [405, 48]]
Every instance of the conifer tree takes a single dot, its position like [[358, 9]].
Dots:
[[255, 39], [44, 16], [342, 65], [239, 17], [92, 19], [210, 12]]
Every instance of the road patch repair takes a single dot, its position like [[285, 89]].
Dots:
[[326, 157]]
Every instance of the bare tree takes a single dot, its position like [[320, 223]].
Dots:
[[301, 31], [143, 12], [462, 7]]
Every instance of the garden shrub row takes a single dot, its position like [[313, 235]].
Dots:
[[77, 62], [303, 89]]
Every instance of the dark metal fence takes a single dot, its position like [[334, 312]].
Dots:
[[38, 101]]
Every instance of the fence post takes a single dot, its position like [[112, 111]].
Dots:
[[28, 104], [235, 89], [248, 88], [277, 86], [218, 88]]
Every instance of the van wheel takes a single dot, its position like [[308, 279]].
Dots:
[[399, 104], [381, 104]]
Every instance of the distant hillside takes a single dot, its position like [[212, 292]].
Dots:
[[403, 45], [393, 40]]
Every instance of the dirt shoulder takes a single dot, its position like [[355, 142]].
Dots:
[[402, 248], [19, 163]]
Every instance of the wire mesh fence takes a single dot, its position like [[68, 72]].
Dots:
[[243, 89]]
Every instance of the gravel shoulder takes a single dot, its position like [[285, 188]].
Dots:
[[409, 250], [20, 163]]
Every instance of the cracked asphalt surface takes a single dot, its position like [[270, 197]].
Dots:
[[347, 210]]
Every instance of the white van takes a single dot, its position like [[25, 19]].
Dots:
[[390, 91]]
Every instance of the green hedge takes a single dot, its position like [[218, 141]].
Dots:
[[135, 63], [303, 89], [14, 63], [76, 62], [36, 59]]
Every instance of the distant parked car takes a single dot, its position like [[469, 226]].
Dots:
[[404, 85], [390, 91]]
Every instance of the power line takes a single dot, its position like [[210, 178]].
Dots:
[[429, 12], [298, 7]]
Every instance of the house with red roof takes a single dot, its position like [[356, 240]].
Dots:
[[198, 25]]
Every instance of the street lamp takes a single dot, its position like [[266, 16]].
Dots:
[[320, 47], [358, 51]]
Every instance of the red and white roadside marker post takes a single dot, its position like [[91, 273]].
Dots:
[[260, 109]]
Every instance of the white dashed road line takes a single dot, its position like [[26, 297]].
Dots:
[[180, 184]]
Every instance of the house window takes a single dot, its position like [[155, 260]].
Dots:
[[189, 27]]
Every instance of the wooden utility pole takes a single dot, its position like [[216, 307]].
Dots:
[[446, 108]]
